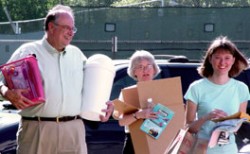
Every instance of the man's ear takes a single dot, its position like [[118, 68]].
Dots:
[[51, 27]]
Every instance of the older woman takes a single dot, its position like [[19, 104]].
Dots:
[[142, 67]]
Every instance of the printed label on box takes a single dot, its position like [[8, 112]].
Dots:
[[154, 127]]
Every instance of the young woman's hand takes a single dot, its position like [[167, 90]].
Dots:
[[215, 114]]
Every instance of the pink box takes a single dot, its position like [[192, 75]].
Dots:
[[24, 74]]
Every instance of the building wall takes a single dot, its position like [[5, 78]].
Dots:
[[160, 30]]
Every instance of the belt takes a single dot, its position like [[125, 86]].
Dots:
[[55, 119]]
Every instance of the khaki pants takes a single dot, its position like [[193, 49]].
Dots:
[[51, 137]]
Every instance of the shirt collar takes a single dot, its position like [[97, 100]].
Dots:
[[50, 48]]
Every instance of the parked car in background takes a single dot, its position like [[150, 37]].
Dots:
[[9, 120], [109, 137]]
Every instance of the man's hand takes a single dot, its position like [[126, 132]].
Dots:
[[108, 111], [15, 97]]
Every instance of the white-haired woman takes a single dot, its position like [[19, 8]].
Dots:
[[142, 67]]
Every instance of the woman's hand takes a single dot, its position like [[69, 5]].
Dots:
[[215, 114], [146, 114]]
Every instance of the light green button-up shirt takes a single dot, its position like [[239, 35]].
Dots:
[[62, 75]]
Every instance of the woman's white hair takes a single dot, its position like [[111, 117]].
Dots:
[[135, 60]]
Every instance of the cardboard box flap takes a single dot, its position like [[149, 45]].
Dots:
[[130, 96], [139, 138], [165, 91], [123, 108]]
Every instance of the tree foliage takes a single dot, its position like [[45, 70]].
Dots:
[[25, 9], [33, 9], [137, 3], [212, 3]]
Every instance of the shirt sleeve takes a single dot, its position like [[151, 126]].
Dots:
[[192, 94], [244, 93]]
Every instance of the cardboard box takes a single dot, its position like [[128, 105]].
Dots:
[[164, 91]]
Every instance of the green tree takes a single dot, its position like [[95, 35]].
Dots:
[[25, 9], [213, 3], [33, 9], [136, 3], [189, 3]]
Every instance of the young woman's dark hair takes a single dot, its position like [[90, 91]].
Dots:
[[222, 42]]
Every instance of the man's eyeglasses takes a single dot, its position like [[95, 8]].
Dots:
[[142, 68], [66, 27]]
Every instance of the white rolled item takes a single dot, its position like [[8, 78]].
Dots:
[[99, 74]]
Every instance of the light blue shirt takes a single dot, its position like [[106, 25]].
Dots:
[[62, 75], [209, 96]]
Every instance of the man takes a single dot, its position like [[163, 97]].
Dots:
[[54, 126]]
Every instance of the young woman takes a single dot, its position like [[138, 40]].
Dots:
[[217, 94]]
